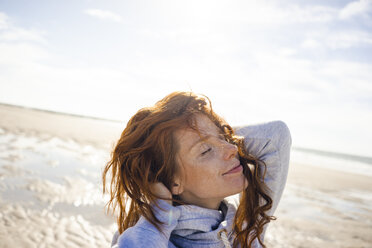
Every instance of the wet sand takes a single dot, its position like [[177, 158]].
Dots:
[[50, 189], [323, 208]]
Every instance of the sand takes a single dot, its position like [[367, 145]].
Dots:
[[50, 189], [323, 208]]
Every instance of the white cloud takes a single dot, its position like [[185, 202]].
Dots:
[[310, 43], [343, 39], [355, 8], [19, 55], [265, 13], [9, 32], [356, 77], [311, 14], [20, 34], [285, 51], [3, 21], [348, 39], [104, 15]]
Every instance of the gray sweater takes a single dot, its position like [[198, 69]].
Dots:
[[193, 226]]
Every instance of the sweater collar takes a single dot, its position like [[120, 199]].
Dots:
[[197, 223]]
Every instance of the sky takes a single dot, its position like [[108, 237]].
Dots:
[[307, 63]]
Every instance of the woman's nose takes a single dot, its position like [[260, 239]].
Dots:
[[230, 151]]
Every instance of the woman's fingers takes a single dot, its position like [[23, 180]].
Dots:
[[161, 191]]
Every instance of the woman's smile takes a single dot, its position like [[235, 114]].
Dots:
[[235, 170]]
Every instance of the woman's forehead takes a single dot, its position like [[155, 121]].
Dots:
[[204, 127]]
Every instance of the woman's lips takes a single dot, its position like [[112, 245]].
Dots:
[[236, 169]]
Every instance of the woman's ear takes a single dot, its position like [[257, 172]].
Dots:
[[177, 187]]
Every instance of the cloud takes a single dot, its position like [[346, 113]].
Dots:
[[334, 40], [20, 34], [272, 14], [11, 33], [20, 55], [355, 8], [342, 40], [286, 51], [3, 21], [104, 15], [311, 14], [311, 44]]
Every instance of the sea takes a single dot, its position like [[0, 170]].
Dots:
[[361, 165]]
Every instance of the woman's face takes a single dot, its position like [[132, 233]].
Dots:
[[210, 166]]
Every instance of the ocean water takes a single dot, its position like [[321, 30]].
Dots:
[[331, 160]]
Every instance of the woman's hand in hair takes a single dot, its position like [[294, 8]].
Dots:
[[161, 192]]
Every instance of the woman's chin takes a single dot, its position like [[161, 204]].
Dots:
[[240, 186]]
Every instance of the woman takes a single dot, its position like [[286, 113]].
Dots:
[[175, 167]]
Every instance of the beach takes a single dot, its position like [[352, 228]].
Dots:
[[51, 190]]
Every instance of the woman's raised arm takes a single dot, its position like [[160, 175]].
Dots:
[[271, 143]]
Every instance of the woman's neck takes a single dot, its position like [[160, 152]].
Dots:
[[201, 202]]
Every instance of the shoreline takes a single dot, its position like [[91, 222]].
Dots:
[[98, 132], [55, 112]]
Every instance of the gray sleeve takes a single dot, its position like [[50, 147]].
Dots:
[[114, 242], [144, 233], [271, 143]]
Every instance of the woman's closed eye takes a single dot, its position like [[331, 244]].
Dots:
[[206, 151]]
